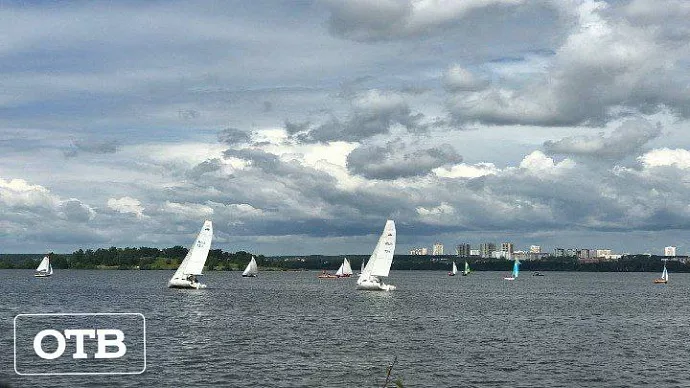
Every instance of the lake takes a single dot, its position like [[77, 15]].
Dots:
[[290, 329]]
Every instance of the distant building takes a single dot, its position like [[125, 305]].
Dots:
[[419, 251], [438, 249], [507, 250], [475, 252], [487, 250], [463, 250], [559, 252], [521, 255], [584, 254], [670, 251], [603, 253], [535, 249]]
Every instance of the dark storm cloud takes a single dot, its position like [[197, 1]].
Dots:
[[74, 210], [396, 160], [207, 166], [92, 147], [373, 113], [372, 21], [624, 141], [293, 128], [606, 68], [232, 136]]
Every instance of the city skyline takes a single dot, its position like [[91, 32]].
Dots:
[[301, 127]]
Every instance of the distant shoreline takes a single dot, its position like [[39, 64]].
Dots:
[[218, 260]]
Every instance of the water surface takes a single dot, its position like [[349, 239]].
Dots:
[[289, 329]]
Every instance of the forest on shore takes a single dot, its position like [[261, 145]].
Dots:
[[144, 258]]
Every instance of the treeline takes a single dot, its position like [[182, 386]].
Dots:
[[170, 258], [131, 258]]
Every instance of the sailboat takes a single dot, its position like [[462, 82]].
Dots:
[[193, 264], [454, 271], [516, 270], [664, 276], [466, 271], [252, 269], [345, 270], [379, 263], [44, 269]]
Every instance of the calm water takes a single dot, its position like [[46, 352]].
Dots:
[[288, 329]]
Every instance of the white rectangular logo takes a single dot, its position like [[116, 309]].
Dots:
[[79, 344]]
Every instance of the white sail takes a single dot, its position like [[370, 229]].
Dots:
[[347, 269], [339, 272], [193, 263], [379, 263], [455, 268], [664, 275], [44, 266], [252, 269], [50, 270]]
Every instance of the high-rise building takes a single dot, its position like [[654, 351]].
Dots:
[[534, 249], [670, 251], [463, 250], [507, 250], [438, 249], [559, 252], [486, 250]]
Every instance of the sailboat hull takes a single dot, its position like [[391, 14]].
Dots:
[[248, 276], [509, 278], [660, 281], [373, 284], [181, 283], [41, 275]]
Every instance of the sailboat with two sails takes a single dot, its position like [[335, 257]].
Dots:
[[345, 269], [193, 264], [379, 263], [466, 271], [44, 269]]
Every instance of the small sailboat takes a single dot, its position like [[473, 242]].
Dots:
[[345, 270], [664, 276], [453, 271], [193, 264], [326, 275], [252, 269], [516, 270], [379, 263], [466, 271], [44, 269]]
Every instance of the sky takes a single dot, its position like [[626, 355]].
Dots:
[[300, 127]]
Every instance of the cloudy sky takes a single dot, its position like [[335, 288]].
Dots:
[[300, 127]]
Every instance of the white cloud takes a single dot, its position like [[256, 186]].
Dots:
[[538, 163], [189, 210], [458, 78], [127, 205], [464, 170], [20, 193], [679, 158]]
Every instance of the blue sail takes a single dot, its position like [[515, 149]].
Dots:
[[516, 268]]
